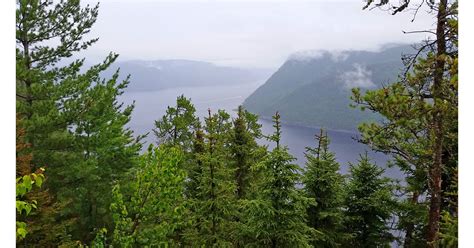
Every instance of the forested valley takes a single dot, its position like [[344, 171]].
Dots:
[[84, 179]]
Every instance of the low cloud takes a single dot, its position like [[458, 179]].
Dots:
[[360, 76], [307, 55], [339, 56]]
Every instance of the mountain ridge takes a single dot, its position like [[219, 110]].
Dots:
[[315, 91], [149, 75]]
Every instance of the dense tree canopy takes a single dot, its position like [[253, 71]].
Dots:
[[84, 180]]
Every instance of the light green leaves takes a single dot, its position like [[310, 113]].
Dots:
[[24, 185]]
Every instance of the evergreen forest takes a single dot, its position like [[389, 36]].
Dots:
[[85, 179]]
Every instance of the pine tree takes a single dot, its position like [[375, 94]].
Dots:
[[323, 183], [369, 206], [72, 120], [47, 95], [421, 118], [277, 218], [46, 92], [108, 150], [176, 127]]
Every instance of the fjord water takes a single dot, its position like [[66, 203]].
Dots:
[[151, 105]]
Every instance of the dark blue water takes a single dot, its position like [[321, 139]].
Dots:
[[150, 106]]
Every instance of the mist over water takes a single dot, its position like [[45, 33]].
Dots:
[[151, 105]]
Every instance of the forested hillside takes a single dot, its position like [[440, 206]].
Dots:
[[82, 179], [314, 88]]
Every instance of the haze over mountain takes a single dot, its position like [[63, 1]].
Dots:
[[241, 32], [162, 74], [313, 87]]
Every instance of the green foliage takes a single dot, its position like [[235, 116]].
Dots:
[[449, 217], [211, 184], [213, 209], [420, 113], [72, 119], [177, 125], [152, 208], [195, 164], [323, 183], [100, 239], [448, 230], [24, 185], [369, 206], [108, 150], [277, 217], [244, 150]]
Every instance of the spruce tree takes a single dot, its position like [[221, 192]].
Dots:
[[277, 218], [195, 163], [323, 183], [213, 209], [244, 150], [369, 206]]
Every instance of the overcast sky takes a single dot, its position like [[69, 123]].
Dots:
[[244, 33]]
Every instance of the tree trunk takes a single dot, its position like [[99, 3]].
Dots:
[[411, 227], [435, 172]]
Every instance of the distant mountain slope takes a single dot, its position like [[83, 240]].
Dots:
[[161, 74], [314, 88]]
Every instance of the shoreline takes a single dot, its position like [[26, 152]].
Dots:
[[293, 124]]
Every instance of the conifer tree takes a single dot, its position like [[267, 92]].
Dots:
[[369, 206], [421, 118], [179, 127], [195, 163], [72, 120], [108, 150], [245, 154], [323, 183], [213, 209], [176, 127], [277, 218], [47, 94], [244, 149]]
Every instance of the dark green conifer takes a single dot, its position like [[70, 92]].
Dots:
[[369, 206], [213, 209], [244, 150], [177, 126], [277, 218], [323, 183], [72, 120]]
